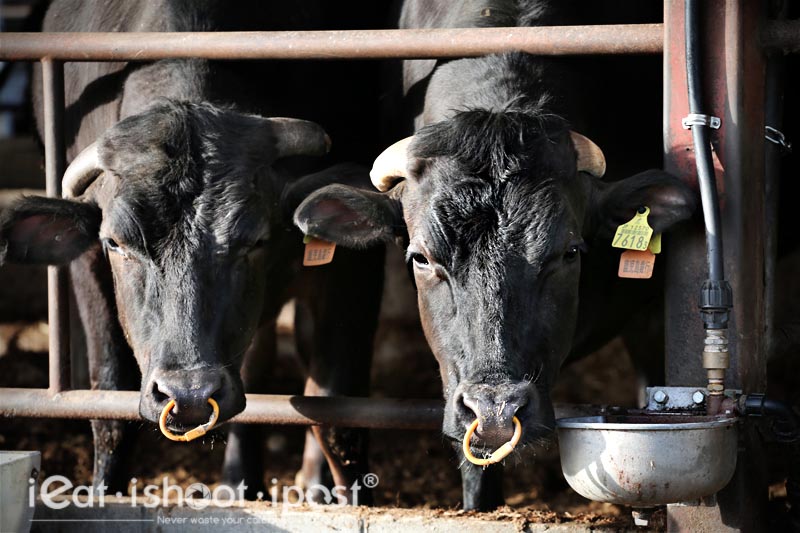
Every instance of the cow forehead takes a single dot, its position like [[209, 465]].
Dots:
[[171, 178], [156, 219], [182, 153], [476, 216]]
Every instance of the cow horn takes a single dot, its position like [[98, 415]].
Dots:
[[391, 165], [299, 137], [83, 170], [590, 156]]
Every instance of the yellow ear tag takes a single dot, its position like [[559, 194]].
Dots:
[[634, 234], [317, 252], [655, 244]]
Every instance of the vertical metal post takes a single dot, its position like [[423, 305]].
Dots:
[[733, 81], [57, 277]]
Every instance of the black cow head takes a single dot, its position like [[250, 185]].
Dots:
[[189, 210], [498, 208]]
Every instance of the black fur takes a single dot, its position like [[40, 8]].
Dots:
[[522, 140]]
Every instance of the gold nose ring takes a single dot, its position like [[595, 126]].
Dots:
[[500, 453], [192, 434]]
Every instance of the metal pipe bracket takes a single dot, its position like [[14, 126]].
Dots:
[[698, 119]]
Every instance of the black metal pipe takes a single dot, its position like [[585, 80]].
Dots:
[[785, 422], [700, 134], [785, 426], [716, 298]]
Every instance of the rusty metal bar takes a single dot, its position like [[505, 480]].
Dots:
[[782, 35], [376, 413], [57, 277], [350, 44], [261, 409]]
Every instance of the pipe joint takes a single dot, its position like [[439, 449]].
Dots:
[[716, 301], [716, 360], [715, 352]]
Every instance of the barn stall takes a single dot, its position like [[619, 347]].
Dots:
[[739, 59]]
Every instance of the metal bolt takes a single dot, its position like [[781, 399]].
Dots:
[[660, 396], [698, 397]]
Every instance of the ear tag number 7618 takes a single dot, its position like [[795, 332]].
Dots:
[[634, 234]]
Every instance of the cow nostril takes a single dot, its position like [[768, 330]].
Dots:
[[159, 396], [519, 408], [218, 392], [470, 407]]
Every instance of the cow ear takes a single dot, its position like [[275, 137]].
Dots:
[[669, 199], [351, 216], [342, 173], [47, 231]]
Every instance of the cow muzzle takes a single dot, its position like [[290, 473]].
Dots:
[[488, 411], [493, 408], [181, 400]]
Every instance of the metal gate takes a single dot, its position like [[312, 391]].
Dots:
[[53, 49]]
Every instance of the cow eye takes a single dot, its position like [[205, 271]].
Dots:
[[253, 246], [572, 253], [111, 245], [241, 248], [419, 259]]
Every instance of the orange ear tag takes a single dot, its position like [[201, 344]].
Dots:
[[318, 252], [636, 264]]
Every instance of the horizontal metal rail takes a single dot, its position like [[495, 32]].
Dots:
[[350, 44], [376, 413], [261, 409]]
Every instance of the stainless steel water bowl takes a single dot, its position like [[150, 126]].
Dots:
[[647, 459]]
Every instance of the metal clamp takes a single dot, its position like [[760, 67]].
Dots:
[[697, 119], [777, 137], [680, 398]]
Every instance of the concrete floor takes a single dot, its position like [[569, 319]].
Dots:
[[119, 516]]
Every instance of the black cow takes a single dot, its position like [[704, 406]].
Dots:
[[178, 229], [508, 226]]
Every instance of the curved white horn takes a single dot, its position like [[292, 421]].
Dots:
[[390, 166], [83, 170], [590, 156]]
